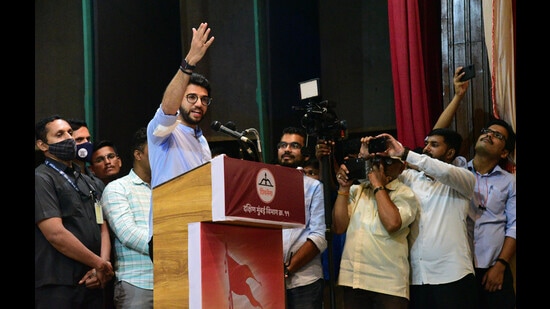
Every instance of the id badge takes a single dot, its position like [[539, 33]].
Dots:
[[98, 212]]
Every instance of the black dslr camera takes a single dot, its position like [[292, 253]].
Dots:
[[359, 167]]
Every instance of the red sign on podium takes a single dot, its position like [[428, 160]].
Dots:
[[260, 193]]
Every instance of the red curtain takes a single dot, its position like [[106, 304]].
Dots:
[[409, 78]]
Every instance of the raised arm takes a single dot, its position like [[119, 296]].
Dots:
[[444, 120], [173, 95]]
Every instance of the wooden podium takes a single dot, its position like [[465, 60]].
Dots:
[[224, 190]]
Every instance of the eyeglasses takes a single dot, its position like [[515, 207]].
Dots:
[[293, 145], [193, 97], [109, 156], [496, 134]]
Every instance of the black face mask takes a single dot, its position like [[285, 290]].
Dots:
[[64, 150], [84, 152]]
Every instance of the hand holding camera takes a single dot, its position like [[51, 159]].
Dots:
[[357, 168], [360, 168], [392, 147], [377, 144]]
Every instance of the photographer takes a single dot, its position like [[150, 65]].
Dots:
[[375, 215]]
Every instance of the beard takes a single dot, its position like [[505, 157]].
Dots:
[[294, 162], [289, 164], [187, 119]]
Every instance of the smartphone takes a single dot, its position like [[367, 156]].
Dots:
[[378, 145], [470, 72]]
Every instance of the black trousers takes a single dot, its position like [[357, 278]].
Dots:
[[501, 299], [460, 294]]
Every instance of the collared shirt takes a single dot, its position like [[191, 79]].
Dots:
[[174, 149], [314, 230], [493, 209], [374, 259], [126, 203], [98, 183], [439, 245], [55, 196]]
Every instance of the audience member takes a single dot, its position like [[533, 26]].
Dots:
[[72, 246], [106, 165], [311, 168], [492, 217], [375, 215], [126, 202], [84, 151], [302, 247], [176, 142], [106, 162], [442, 272]]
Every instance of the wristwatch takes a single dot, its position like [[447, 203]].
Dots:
[[186, 66]]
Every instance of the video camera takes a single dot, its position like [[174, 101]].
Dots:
[[319, 119]]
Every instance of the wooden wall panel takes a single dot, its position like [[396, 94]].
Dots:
[[463, 43]]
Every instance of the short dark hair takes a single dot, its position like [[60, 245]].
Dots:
[[77, 123], [104, 143], [511, 140], [452, 138], [200, 80], [312, 161], [139, 140], [40, 131], [295, 130]]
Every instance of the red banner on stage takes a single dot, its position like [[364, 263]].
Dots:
[[232, 266]]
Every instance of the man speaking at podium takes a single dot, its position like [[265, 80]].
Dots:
[[175, 140], [302, 247]]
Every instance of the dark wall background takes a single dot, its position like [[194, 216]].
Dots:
[[137, 51], [58, 59], [262, 51]]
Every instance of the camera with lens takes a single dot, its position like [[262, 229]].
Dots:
[[359, 167], [378, 145]]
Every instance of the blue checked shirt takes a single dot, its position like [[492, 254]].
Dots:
[[126, 202]]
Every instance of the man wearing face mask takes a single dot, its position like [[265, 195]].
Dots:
[[72, 246], [84, 150]]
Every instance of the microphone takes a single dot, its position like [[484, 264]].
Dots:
[[217, 126], [231, 125]]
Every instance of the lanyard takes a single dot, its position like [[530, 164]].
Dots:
[[92, 191]]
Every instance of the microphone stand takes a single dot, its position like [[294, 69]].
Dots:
[[259, 145]]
